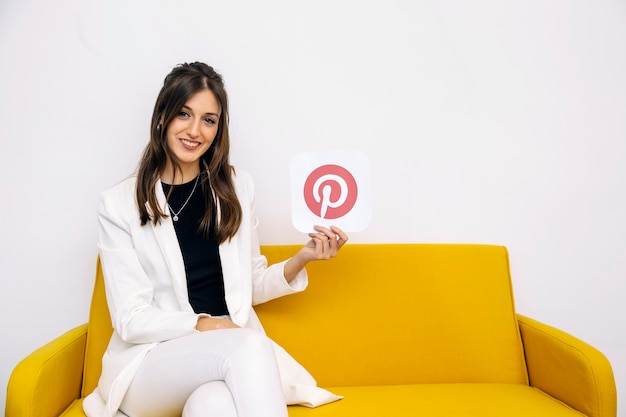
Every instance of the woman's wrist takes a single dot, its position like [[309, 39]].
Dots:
[[294, 265]]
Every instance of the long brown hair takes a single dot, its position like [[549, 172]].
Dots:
[[180, 84]]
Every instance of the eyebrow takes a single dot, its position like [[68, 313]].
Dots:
[[186, 107]]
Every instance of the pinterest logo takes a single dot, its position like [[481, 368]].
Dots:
[[331, 188], [330, 191]]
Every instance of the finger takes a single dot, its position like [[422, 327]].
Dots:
[[337, 238], [321, 245], [333, 244], [324, 230], [319, 236], [329, 232], [330, 246], [342, 236], [327, 245]]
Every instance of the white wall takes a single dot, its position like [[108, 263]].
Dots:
[[486, 121]]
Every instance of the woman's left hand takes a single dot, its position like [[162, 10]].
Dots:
[[324, 244]]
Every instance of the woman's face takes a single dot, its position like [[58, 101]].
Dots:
[[192, 131]]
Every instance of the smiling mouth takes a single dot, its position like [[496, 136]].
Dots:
[[188, 144]]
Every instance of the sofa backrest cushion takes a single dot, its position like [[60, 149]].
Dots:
[[99, 331], [402, 313]]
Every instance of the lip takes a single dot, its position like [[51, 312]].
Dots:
[[189, 144]]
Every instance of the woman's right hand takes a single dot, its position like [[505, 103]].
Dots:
[[211, 323]]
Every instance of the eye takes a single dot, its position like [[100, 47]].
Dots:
[[209, 120], [183, 114]]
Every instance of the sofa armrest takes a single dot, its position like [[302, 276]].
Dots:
[[47, 381], [568, 369]]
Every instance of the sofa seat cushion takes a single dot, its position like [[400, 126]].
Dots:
[[75, 409], [439, 400], [432, 400]]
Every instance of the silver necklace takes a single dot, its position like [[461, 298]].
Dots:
[[175, 217]]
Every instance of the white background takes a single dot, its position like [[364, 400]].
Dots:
[[486, 121]]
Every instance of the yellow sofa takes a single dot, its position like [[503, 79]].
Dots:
[[398, 330]]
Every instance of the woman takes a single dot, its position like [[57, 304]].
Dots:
[[182, 265]]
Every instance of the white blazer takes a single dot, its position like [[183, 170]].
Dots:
[[146, 290]]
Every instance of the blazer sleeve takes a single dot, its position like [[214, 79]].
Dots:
[[129, 289], [268, 281]]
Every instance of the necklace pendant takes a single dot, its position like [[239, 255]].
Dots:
[[174, 215]]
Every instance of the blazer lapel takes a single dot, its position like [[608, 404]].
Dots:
[[170, 249], [229, 256]]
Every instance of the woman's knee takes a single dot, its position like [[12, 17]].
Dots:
[[211, 399], [254, 342], [253, 356]]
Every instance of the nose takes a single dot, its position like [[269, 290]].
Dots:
[[194, 128]]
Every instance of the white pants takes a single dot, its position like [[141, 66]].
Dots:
[[225, 373]]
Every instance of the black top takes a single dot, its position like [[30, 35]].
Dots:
[[205, 282]]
